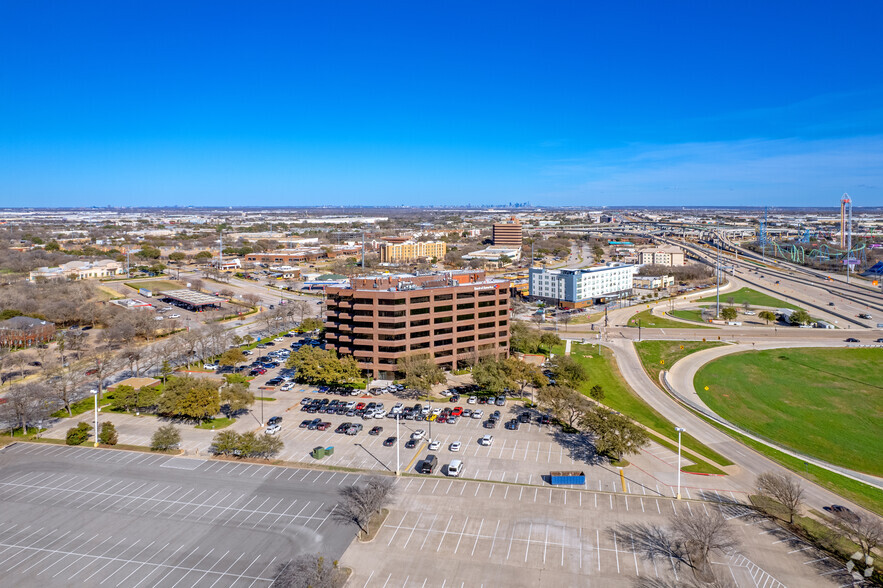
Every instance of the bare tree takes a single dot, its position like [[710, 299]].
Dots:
[[25, 404], [308, 571], [865, 530], [700, 535], [103, 362], [63, 385], [358, 503], [784, 489], [251, 299]]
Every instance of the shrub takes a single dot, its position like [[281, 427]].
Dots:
[[107, 434], [165, 438], [78, 435]]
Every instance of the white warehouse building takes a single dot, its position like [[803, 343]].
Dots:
[[577, 288]]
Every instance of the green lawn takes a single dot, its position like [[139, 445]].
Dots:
[[752, 297], [155, 285], [84, 405], [688, 315], [648, 321], [823, 402], [652, 353], [218, 423], [618, 396]]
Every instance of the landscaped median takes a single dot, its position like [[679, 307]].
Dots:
[[650, 321], [600, 363], [750, 297]]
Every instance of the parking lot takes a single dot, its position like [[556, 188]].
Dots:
[[459, 533], [89, 517]]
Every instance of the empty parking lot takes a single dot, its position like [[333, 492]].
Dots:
[[85, 517]]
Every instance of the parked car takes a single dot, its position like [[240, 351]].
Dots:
[[477, 414], [389, 442], [274, 420], [434, 445], [418, 434], [375, 431], [487, 440], [455, 446], [273, 429]]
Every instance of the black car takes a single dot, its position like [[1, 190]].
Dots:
[[411, 444], [524, 417], [512, 425], [274, 420], [375, 431], [490, 424], [852, 340], [389, 442], [306, 423]]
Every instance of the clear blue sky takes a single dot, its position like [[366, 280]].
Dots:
[[556, 103]]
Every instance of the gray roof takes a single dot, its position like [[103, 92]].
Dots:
[[22, 322]]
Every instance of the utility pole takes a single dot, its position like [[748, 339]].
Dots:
[[363, 251], [718, 269]]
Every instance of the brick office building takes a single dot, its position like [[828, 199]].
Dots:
[[24, 331], [453, 317]]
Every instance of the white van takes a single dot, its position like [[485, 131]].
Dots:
[[455, 467]]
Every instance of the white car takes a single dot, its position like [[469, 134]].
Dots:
[[418, 434], [472, 400], [157, 318], [455, 446], [379, 414], [210, 366], [436, 411], [273, 429], [174, 316], [478, 414], [286, 387], [487, 440], [397, 408], [434, 445]]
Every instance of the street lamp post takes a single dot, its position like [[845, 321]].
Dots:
[[95, 394], [398, 449], [679, 430]]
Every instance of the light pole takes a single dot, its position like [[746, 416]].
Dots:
[[679, 430], [398, 449], [95, 394]]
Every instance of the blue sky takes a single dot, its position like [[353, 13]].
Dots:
[[556, 103]]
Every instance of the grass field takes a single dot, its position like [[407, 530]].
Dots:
[[652, 353], [688, 315], [216, 423], [823, 402], [619, 396], [155, 285], [752, 297], [648, 321]]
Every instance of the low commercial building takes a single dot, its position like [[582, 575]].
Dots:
[[227, 265], [24, 331], [668, 256], [581, 287], [79, 270], [300, 255], [509, 234], [191, 300], [451, 317], [496, 254], [654, 282], [412, 251]]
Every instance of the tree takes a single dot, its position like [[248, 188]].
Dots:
[[25, 404], [524, 374], [615, 435], [767, 315], [203, 257], [359, 502], [247, 444], [107, 433], [78, 435], [63, 385], [322, 366], [597, 393], [565, 403], [420, 372], [148, 252], [568, 372], [190, 398], [523, 339], [165, 438], [165, 371], [177, 256], [103, 362], [124, 398], [784, 489], [251, 299], [308, 571], [311, 324], [800, 317], [493, 374], [232, 356], [729, 313], [701, 534], [866, 531], [236, 397]]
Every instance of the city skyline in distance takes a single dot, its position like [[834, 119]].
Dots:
[[225, 105]]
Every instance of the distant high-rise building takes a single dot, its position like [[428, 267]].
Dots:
[[508, 234]]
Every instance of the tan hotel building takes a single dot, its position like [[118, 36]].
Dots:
[[453, 317], [412, 250]]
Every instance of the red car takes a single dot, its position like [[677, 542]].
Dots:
[[457, 411], [360, 406], [323, 426]]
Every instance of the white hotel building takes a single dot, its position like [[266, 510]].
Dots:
[[576, 288]]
